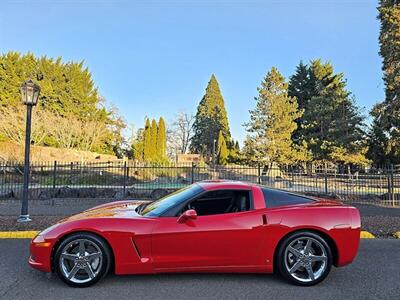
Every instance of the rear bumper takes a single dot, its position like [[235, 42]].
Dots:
[[348, 244], [348, 241]]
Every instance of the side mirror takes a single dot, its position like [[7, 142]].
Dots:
[[190, 214]]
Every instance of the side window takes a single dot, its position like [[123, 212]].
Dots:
[[220, 202], [274, 198]]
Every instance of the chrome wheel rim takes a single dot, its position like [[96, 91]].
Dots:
[[306, 259], [81, 261]]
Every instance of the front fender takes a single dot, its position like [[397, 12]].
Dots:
[[129, 240]]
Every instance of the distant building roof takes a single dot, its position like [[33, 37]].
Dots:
[[185, 158]]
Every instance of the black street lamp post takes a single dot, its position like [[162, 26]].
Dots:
[[29, 93], [213, 150]]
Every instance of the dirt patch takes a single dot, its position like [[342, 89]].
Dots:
[[38, 223]]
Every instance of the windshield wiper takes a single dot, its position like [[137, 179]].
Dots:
[[142, 206]]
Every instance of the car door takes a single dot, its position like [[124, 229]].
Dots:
[[215, 240]]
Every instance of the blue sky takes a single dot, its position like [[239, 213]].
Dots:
[[154, 58]]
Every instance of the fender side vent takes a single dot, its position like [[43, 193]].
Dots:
[[136, 248]]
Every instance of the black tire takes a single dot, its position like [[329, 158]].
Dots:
[[285, 256], [90, 240]]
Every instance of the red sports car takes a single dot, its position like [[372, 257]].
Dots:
[[210, 226]]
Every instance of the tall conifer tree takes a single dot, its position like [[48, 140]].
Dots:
[[301, 86], [211, 118], [389, 40], [222, 149], [161, 140], [153, 140], [331, 123], [385, 131], [147, 140], [272, 122], [137, 147]]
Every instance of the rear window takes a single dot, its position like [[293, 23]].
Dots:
[[274, 198]]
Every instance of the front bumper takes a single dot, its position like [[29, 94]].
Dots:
[[40, 257]]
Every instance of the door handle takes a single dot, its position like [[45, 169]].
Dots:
[[265, 220]]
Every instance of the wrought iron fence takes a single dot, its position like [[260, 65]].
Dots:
[[126, 179]]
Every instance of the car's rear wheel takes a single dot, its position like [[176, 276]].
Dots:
[[304, 258], [82, 259]]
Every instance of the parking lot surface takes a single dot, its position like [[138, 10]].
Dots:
[[375, 274]]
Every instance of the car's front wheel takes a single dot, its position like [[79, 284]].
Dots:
[[82, 259], [304, 258]]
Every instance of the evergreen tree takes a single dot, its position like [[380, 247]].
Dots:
[[153, 140], [147, 141], [138, 145], [211, 118], [66, 88], [222, 149], [272, 122], [237, 147], [161, 140], [389, 40], [67, 91], [251, 154], [387, 113], [379, 150], [302, 87], [331, 119], [233, 151]]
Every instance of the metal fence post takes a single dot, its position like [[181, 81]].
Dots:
[[326, 181], [389, 183], [54, 182], [192, 173], [125, 174], [392, 185], [259, 173]]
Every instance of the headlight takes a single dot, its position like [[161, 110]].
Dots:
[[40, 241]]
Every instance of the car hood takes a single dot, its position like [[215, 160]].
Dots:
[[119, 209]]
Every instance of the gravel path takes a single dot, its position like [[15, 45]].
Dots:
[[381, 221], [381, 226], [8, 223]]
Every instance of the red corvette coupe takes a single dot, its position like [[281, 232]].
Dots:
[[210, 226]]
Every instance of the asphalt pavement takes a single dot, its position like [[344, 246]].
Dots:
[[375, 274]]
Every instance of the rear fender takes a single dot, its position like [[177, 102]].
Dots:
[[340, 224]]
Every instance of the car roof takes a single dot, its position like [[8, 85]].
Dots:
[[209, 185]]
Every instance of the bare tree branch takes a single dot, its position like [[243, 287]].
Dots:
[[180, 133]]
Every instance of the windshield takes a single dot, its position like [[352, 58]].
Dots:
[[158, 207]]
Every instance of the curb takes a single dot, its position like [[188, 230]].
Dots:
[[18, 234], [366, 235]]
